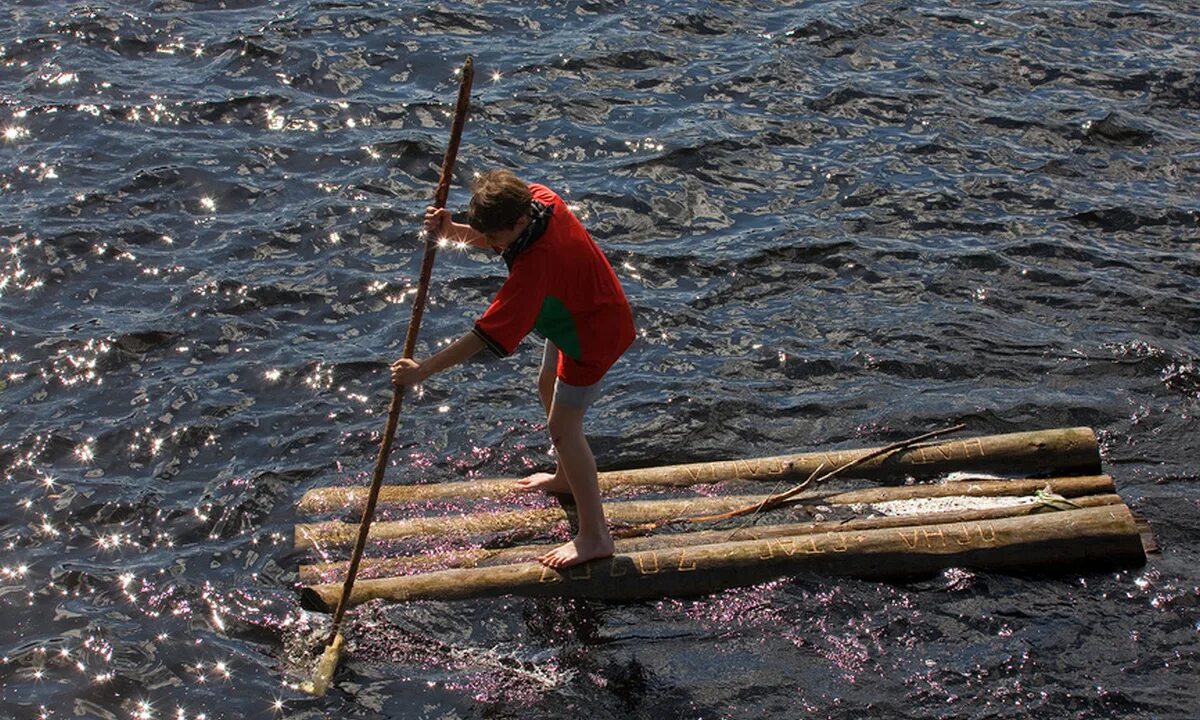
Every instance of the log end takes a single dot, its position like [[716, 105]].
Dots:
[[311, 600], [328, 499], [1149, 543]]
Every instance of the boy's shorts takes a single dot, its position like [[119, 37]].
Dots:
[[580, 397]]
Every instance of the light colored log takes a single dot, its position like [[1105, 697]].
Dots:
[[333, 533], [1064, 451], [487, 557], [1057, 541]]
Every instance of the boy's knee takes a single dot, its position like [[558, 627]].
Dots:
[[557, 432], [560, 428]]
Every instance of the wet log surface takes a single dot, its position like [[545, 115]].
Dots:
[[1062, 451], [1104, 535], [487, 557], [334, 533], [1020, 524]]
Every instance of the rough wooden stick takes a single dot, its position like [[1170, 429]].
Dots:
[[328, 663], [332, 534], [1055, 541], [1061, 451]]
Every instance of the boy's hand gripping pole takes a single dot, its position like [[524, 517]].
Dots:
[[329, 660]]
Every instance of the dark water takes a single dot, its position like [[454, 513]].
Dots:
[[841, 224]]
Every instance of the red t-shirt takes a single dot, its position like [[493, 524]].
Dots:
[[562, 286]]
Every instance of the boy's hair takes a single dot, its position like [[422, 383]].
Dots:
[[499, 199]]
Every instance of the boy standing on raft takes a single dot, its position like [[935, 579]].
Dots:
[[560, 284]]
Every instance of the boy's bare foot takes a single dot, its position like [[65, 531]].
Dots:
[[546, 482], [578, 551]]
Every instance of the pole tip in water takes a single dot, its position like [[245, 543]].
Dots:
[[326, 667]]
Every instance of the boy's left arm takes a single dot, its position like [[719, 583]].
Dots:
[[406, 371]]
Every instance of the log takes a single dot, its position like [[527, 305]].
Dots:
[[1106, 535], [1063, 451], [488, 557], [333, 533]]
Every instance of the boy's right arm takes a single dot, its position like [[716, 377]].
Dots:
[[438, 222]]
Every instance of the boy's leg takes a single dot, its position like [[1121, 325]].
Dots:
[[576, 459], [554, 482], [547, 375]]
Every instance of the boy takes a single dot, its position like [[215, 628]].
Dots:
[[562, 285]]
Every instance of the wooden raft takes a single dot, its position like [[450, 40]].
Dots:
[[1066, 518]]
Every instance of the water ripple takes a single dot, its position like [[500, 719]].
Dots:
[[838, 223]]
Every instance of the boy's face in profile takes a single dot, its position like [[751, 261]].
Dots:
[[500, 239]]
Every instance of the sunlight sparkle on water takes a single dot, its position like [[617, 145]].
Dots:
[[321, 377], [113, 540], [85, 452], [647, 144], [145, 711]]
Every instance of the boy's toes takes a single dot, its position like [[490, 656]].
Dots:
[[533, 480], [546, 482], [559, 557]]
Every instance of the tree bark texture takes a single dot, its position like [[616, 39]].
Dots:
[[1063, 451]]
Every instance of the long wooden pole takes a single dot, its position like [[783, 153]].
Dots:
[[1063, 451], [1105, 535], [327, 535], [328, 664]]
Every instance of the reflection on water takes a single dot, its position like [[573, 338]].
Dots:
[[838, 223]]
